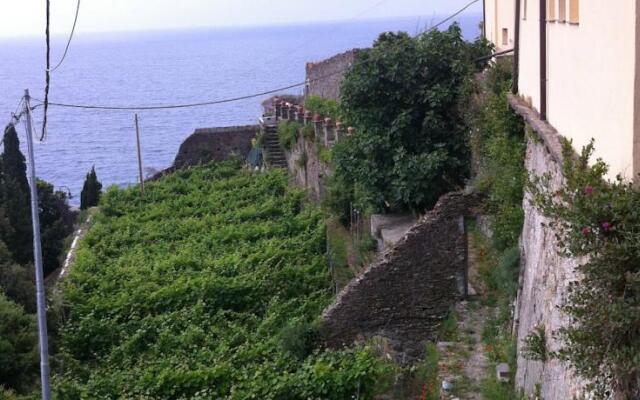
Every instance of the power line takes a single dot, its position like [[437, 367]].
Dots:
[[228, 100], [73, 29], [172, 106], [444, 21], [47, 72]]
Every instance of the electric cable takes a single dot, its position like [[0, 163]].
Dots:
[[73, 29], [47, 72], [444, 21], [228, 100]]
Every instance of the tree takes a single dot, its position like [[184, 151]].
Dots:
[[91, 190], [16, 198], [56, 223], [18, 347], [405, 96], [16, 281]]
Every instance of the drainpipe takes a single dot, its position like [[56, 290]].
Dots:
[[484, 18], [543, 60], [516, 50]]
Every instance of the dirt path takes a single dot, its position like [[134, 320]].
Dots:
[[463, 361]]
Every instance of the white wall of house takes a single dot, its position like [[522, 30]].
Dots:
[[591, 75], [500, 23]]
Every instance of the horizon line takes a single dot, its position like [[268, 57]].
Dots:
[[242, 26]]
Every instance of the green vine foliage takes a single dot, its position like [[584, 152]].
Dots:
[[324, 107], [405, 97], [288, 132], [598, 223], [209, 287], [501, 144], [535, 345]]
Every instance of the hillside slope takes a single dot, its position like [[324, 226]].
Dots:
[[208, 287]]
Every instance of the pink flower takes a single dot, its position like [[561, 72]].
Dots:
[[588, 190], [586, 230], [606, 226]]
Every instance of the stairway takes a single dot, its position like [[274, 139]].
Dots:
[[273, 153]]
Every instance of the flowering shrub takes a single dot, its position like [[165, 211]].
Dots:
[[598, 222]]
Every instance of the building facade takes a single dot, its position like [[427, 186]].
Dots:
[[577, 77], [499, 23], [591, 74], [579, 70]]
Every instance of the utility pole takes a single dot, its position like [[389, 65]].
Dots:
[[139, 157], [37, 255]]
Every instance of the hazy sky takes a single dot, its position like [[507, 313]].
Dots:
[[26, 17]]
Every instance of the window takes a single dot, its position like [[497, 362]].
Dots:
[[505, 36], [574, 11], [562, 10], [551, 10], [524, 9]]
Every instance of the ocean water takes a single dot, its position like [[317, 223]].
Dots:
[[164, 68]]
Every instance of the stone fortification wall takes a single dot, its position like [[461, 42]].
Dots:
[[324, 78], [215, 144], [405, 295], [544, 274]]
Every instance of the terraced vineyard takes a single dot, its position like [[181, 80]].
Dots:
[[210, 287]]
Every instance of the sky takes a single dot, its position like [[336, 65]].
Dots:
[[27, 17]]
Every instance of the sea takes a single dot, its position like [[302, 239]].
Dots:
[[158, 68]]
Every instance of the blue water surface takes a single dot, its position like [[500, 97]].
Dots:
[[164, 68]]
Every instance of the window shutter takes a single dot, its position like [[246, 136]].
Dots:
[[574, 11], [562, 10]]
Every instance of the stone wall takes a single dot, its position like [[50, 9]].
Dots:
[[326, 133], [544, 274], [405, 295], [313, 174], [215, 144], [325, 77]]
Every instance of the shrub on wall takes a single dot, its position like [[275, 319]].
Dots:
[[598, 223], [324, 107], [405, 98], [288, 133], [500, 142]]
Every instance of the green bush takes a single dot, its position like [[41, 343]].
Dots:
[[406, 97], [300, 339], [324, 107], [494, 390], [18, 347], [502, 150], [535, 345], [208, 287], [288, 132]]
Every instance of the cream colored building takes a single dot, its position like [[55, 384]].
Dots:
[[499, 23], [584, 79]]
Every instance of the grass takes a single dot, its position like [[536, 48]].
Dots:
[[491, 389], [449, 329], [427, 374]]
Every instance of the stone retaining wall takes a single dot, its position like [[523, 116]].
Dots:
[[544, 274], [405, 295]]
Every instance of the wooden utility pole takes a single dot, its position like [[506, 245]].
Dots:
[[139, 157]]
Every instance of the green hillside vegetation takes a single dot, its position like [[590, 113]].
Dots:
[[211, 286]]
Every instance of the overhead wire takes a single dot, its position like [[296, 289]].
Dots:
[[73, 29], [47, 72], [46, 103], [444, 21]]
